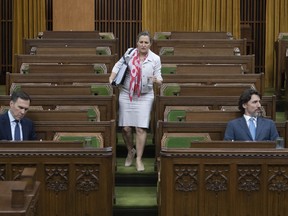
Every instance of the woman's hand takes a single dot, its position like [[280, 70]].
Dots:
[[112, 77]]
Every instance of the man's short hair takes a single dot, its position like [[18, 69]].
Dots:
[[19, 94]]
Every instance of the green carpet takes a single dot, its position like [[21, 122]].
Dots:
[[136, 196], [148, 163], [120, 140]]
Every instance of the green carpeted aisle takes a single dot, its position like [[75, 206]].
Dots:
[[135, 192]]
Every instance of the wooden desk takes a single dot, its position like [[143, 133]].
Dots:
[[8, 194], [223, 181], [74, 180]]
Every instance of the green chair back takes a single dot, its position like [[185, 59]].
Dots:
[[103, 51], [100, 69], [168, 70], [171, 89], [101, 89], [182, 140], [94, 142], [176, 115], [166, 51]]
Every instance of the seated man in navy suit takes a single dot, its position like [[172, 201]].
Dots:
[[239, 129], [13, 123]]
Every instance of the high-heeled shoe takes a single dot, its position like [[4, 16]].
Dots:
[[139, 165], [130, 157]]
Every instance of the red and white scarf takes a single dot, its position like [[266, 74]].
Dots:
[[135, 75]]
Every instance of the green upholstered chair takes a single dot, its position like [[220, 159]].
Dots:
[[103, 51], [166, 51], [168, 68], [94, 140], [101, 89], [24, 69], [162, 35], [182, 140], [170, 89], [100, 69], [106, 35], [178, 113], [93, 112], [17, 86], [283, 36]]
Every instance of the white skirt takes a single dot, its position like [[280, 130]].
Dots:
[[135, 113]]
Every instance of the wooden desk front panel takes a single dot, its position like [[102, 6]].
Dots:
[[74, 181], [231, 182]]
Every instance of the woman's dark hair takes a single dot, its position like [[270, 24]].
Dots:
[[144, 33], [245, 97]]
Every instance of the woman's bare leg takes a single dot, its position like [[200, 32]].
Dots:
[[141, 136], [127, 134]]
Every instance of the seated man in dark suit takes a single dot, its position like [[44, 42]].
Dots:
[[13, 124], [251, 126]]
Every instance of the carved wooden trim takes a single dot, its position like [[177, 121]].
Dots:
[[87, 178], [186, 178], [57, 177]]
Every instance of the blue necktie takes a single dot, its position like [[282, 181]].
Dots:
[[17, 131], [252, 128]]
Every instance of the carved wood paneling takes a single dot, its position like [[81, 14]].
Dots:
[[211, 182]]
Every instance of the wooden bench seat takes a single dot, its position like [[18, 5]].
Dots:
[[182, 140], [213, 103], [205, 115], [96, 89], [54, 78], [197, 113], [248, 61], [233, 145], [34, 144], [69, 34], [32, 68], [77, 113], [109, 60], [193, 35], [70, 50], [203, 51], [76, 34], [46, 130], [212, 79], [196, 89], [30, 44], [217, 69], [209, 47], [63, 115], [90, 139], [105, 104]]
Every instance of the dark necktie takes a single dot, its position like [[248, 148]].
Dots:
[[17, 131], [252, 128]]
